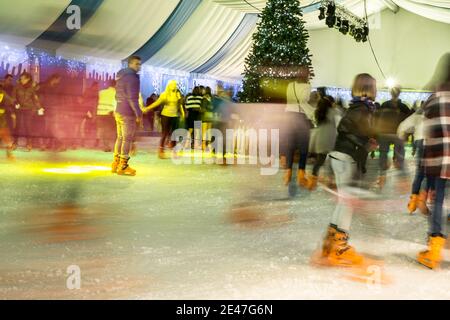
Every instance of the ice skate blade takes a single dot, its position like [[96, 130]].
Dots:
[[429, 265]]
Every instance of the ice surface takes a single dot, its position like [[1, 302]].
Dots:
[[166, 234]]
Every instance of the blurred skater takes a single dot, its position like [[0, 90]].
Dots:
[[414, 125], [106, 125], [348, 161], [172, 109], [6, 114], [323, 138], [299, 113], [436, 159]]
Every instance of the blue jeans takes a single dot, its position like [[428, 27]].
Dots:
[[436, 218], [126, 129], [420, 174], [399, 150]]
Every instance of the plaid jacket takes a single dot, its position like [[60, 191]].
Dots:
[[436, 160]]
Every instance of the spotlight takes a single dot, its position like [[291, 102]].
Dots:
[[339, 17], [365, 33], [358, 34], [352, 30], [344, 27], [331, 21], [331, 9], [322, 13], [390, 83]]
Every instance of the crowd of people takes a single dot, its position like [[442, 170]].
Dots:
[[315, 125], [348, 138], [49, 116]]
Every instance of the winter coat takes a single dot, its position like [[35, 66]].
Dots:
[[436, 160], [355, 131], [51, 98], [127, 93], [26, 97], [323, 137], [412, 124], [389, 116]]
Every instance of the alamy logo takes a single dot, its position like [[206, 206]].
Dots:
[[74, 279], [249, 146], [73, 22]]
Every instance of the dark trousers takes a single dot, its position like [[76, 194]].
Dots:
[[193, 115], [126, 129], [106, 130], [297, 138], [24, 128], [320, 160], [399, 150], [436, 218], [5, 136], [168, 124]]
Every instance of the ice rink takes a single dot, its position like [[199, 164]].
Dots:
[[168, 233]]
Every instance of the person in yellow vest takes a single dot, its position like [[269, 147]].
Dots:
[[5, 115], [106, 125]]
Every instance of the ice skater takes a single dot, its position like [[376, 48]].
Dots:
[[348, 161], [323, 137], [172, 109], [299, 114], [419, 195], [128, 115], [6, 115], [436, 160]]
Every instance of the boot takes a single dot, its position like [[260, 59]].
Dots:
[[432, 257], [161, 153], [341, 253], [412, 204], [9, 155], [115, 164], [301, 178], [312, 183], [422, 203], [328, 240], [283, 162], [287, 177], [381, 182], [124, 169]]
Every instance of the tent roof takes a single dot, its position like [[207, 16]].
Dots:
[[208, 36]]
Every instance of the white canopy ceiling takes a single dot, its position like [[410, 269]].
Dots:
[[183, 35]]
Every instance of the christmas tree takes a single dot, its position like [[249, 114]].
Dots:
[[279, 49]]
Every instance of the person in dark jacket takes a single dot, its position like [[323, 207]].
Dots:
[[128, 115], [151, 114], [28, 105], [89, 113], [51, 99], [387, 119], [353, 144], [194, 113]]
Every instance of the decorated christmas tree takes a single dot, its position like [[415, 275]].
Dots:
[[279, 48]]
